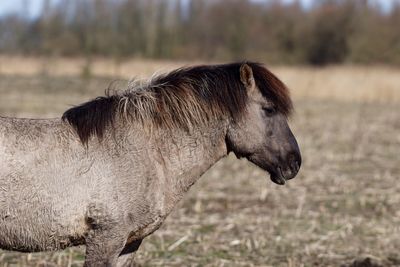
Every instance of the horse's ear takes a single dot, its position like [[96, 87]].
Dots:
[[247, 78]]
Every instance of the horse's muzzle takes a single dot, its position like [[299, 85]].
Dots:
[[288, 171]]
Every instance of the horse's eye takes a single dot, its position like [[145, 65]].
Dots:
[[269, 110]]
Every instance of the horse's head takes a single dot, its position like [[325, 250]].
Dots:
[[262, 134]]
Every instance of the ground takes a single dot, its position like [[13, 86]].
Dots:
[[341, 210]]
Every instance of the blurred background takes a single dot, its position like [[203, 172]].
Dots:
[[341, 61], [286, 32]]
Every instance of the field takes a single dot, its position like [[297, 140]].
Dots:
[[341, 210]]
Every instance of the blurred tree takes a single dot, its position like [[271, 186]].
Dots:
[[329, 32], [327, 39]]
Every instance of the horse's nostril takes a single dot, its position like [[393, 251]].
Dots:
[[293, 163]]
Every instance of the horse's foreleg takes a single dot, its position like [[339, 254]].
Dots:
[[103, 248], [126, 257]]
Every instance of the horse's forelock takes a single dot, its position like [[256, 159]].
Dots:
[[272, 88]]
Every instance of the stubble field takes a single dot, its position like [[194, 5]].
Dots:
[[343, 209]]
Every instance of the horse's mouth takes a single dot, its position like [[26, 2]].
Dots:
[[277, 177], [274, 171]]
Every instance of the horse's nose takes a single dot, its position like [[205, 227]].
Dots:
[[293, 165]]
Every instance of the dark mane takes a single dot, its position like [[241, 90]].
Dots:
[[181, 98]]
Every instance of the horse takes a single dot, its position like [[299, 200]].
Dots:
[[109, 171]]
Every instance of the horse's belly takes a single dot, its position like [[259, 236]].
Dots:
[[39, 234], [39, 226]]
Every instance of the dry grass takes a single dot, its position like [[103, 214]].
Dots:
[[343, 205], [347, 83], [32, 66], [344, 83]]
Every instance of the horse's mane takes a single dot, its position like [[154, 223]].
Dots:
[[181, 98]]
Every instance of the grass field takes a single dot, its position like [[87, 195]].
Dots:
[[341, 210]]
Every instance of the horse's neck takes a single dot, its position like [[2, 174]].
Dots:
[[184, 157]]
